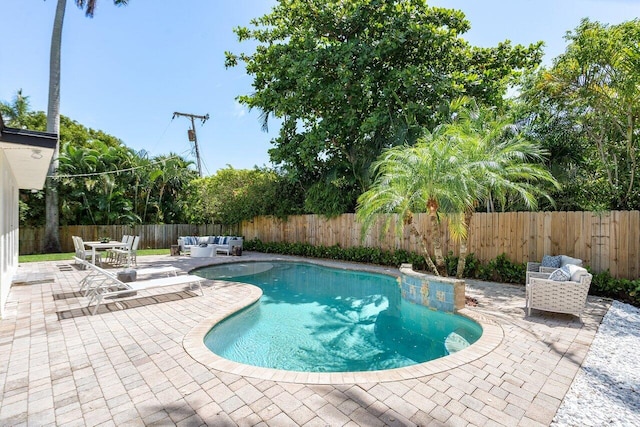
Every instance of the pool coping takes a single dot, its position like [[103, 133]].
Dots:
[[193, 343]]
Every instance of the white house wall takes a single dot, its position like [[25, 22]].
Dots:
[[9, 222]]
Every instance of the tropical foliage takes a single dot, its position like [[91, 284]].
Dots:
[[474, 159], [235, 195], [102, 181], [350, 79], [587, 108]]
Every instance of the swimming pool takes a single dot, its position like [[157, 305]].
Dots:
[[319, 319]]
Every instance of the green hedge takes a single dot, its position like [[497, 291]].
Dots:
[[500, 269]]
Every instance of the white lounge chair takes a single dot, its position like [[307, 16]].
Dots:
[[106, 284], [98, 276]]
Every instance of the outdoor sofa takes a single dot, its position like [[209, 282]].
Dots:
[[224, 244]]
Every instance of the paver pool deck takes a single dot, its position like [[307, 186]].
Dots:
[[134, 363]]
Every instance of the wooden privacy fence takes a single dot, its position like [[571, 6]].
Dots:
[[607, 240], [160, 236]]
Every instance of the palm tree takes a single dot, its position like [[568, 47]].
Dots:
[[52, 235], [474, 159], [14, 113], [504, 164], [169, 178], [428, 176], [77, 202]]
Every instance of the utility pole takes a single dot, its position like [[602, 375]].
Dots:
[[192, 133]]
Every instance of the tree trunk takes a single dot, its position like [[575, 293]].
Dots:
[[437, 244], [52, 232], [425, 248], [423, 243], [462, 258]]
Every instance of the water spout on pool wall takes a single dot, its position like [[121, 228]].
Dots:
[[437, 293]]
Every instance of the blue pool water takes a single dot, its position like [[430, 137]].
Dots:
[[319, 319]]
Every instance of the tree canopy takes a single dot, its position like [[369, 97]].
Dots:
[[235, 195], [349, 79], [591, 96]]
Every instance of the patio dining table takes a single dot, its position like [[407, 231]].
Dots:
[[100, 245]]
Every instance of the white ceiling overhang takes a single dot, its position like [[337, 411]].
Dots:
[[29, 154]]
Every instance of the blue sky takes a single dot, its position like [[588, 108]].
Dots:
[[129, 68]]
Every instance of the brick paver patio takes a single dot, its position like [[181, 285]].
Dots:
[[131, 364]]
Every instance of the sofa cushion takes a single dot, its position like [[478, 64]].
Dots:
[[567, 260], [551, 261], [190, 240], [576, 271], [560, 275], [224, 240]]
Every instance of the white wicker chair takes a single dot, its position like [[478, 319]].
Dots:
[[535, 269], [559, 297]]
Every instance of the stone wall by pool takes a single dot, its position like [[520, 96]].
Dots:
[[438, 293]]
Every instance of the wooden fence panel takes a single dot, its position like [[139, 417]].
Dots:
[[608, 240], [634, 245], [152, 236], [519, 243], [503, 229], [579, 245], [622, 251]]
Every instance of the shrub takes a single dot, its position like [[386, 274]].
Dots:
[[500, 269], [625, 290]]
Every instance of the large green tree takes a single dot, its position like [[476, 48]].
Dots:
[[52, 235], [349, 79], [595, 86], [567, 159]]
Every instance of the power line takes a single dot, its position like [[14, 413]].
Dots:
[[80, 175]]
